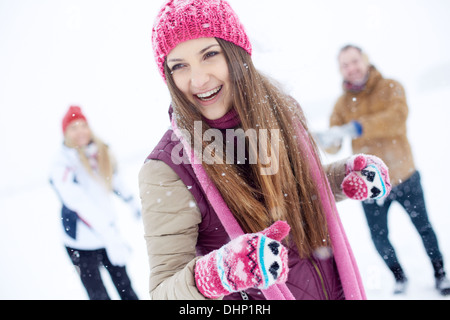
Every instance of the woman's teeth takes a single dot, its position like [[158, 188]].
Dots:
[[208, 95]]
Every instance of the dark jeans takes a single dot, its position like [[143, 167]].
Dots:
[[88, 263], [409, 194]]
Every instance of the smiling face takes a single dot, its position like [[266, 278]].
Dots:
[[353, 66], [200, 71]]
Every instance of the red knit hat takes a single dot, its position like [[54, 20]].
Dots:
[[74, 113], [182, 20]]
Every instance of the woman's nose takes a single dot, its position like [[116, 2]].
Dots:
[[199, 78]]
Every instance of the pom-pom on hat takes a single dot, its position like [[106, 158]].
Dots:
[[183, 20], [74, 113]]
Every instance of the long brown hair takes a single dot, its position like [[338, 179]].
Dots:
[[258, 200]]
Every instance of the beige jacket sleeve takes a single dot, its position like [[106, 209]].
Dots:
[[335, 173], [171, 217]]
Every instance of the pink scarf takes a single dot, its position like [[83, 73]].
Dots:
[[346, 264], [342, 251]]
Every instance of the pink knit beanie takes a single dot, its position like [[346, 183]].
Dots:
[[182, 20]]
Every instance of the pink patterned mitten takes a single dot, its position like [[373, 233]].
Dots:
[[255, 260], [367, 177]]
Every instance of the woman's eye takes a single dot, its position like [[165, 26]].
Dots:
[[176, 67], [211, 54]]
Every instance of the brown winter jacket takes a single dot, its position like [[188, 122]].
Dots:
[[382, 111], [171, 218]]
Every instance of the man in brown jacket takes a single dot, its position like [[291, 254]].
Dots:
[[373, 112]]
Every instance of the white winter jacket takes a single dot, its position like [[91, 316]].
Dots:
[[88, 215]]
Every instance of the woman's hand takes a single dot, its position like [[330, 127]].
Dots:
[[367, 177], [256, 260]]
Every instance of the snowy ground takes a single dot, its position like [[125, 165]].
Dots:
[[97, 53]]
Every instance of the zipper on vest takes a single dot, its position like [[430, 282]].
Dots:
[[244, 295], [322, 282]]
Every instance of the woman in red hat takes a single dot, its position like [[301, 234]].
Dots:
[[84, 176]]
